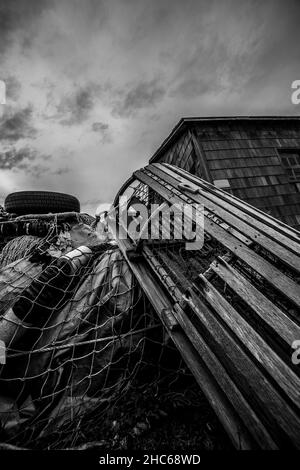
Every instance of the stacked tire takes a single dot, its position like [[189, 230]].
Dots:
[[40, 202]]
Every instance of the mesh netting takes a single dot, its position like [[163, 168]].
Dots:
[[79, 335], [18, 248]]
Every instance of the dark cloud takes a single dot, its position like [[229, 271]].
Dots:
[[80, 60], [18, 21], [254, 49], [16, 125], [210, 66], [196, 73], [194, 86], [75, 108], [30, 161], [61, 171], [279, 52], [103, 130], [143, 95], [20, 159], [99, 126], [37, 168]]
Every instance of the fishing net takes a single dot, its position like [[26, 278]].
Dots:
[[18, 248], [80, 335]]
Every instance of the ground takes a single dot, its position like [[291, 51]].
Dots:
[[148, 422]]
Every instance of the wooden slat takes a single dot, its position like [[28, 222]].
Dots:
[[275, 224], [223, 409], [269, 313], [266, 219], [270, 360], [256, 387], [285, 327], [249, 417], [287, 235], [216, 398], [122, 189], [276, 367], [263, 267], [245, 224]]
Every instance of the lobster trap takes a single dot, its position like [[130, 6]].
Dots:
[[231, 305]]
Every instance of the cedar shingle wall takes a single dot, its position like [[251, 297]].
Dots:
[[246, 154], [182, 154]]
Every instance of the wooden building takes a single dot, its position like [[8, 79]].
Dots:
[[256, 159]]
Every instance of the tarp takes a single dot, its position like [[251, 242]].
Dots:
[[84, 356]]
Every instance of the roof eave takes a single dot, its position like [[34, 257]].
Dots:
[[187, 121]]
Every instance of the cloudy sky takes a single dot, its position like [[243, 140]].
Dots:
[[94, 86]]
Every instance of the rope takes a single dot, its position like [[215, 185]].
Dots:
[[82, 343]]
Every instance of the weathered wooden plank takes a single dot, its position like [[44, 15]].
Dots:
[[264, 354], [247, 414], [244, 223], [268, 312], [122, 189], [263, 267], [214, 203], [225, 412], [253, 423], [255, 385], [159, 270], [288, 232], [223, 409]]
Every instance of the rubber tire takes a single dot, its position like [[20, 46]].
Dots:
[[40, 202]]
